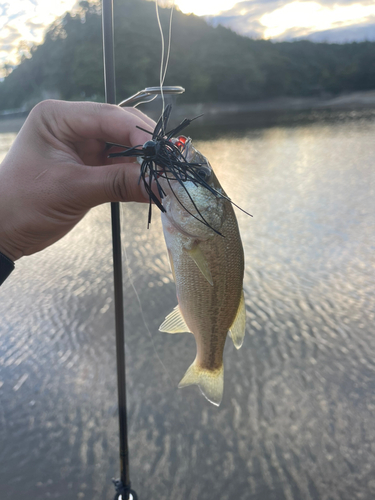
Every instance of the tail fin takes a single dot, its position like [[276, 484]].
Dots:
[[210, 382]]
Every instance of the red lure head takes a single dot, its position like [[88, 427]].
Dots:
[[180, 142]]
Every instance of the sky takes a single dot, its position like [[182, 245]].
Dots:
[[23, 22]]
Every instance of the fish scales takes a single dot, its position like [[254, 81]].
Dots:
[[208, 308]]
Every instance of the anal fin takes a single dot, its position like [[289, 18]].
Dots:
[[174, 322], [237, 330]]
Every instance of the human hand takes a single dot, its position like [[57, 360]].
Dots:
[[57, 169]]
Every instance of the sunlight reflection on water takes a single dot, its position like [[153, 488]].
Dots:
[[297, 418]]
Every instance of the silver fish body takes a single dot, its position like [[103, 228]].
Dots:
[[207, 261]]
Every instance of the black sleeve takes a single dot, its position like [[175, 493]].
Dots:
[[6, 267]]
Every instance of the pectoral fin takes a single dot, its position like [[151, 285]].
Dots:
[[174, 322], [197, 255], [172, 265], [237, 330]]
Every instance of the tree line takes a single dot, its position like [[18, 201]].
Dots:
[[213, 64]]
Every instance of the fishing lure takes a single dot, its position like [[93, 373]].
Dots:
[[164, 157]]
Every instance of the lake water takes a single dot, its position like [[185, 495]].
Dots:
[[297, 419]]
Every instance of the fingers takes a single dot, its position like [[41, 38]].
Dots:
[[64, 129], [145, 118], [109, 183], [71, 122]]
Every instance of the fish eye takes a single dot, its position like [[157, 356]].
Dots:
[[204, 172]]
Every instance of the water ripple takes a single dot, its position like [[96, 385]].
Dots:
[[297, 418]]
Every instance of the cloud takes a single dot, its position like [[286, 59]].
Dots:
[[244, 17], [342, 21], [9, 34], [28, 18], [243, 25], [9, 39], [6, 47], [360, 32], [34, 28], [344, 3], [254, 8], [3, 9]]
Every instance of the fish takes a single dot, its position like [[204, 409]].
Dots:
[[207, 262]]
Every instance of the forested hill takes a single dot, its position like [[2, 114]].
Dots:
[[213, 64]]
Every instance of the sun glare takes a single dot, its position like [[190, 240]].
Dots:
[[26, 20], [313, 16], [205, 7]]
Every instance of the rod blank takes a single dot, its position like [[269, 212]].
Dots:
[[110, 98]]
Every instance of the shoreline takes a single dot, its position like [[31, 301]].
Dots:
[[353, 100], [12, 123]]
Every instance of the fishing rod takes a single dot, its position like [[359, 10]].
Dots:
[[122, 485]]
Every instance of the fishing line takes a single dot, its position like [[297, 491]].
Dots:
[[169, 45], [130, 278], [164, 65]]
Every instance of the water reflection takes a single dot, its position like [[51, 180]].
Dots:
[[297, 418]]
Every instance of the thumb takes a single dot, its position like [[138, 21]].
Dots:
[[110, 183]]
